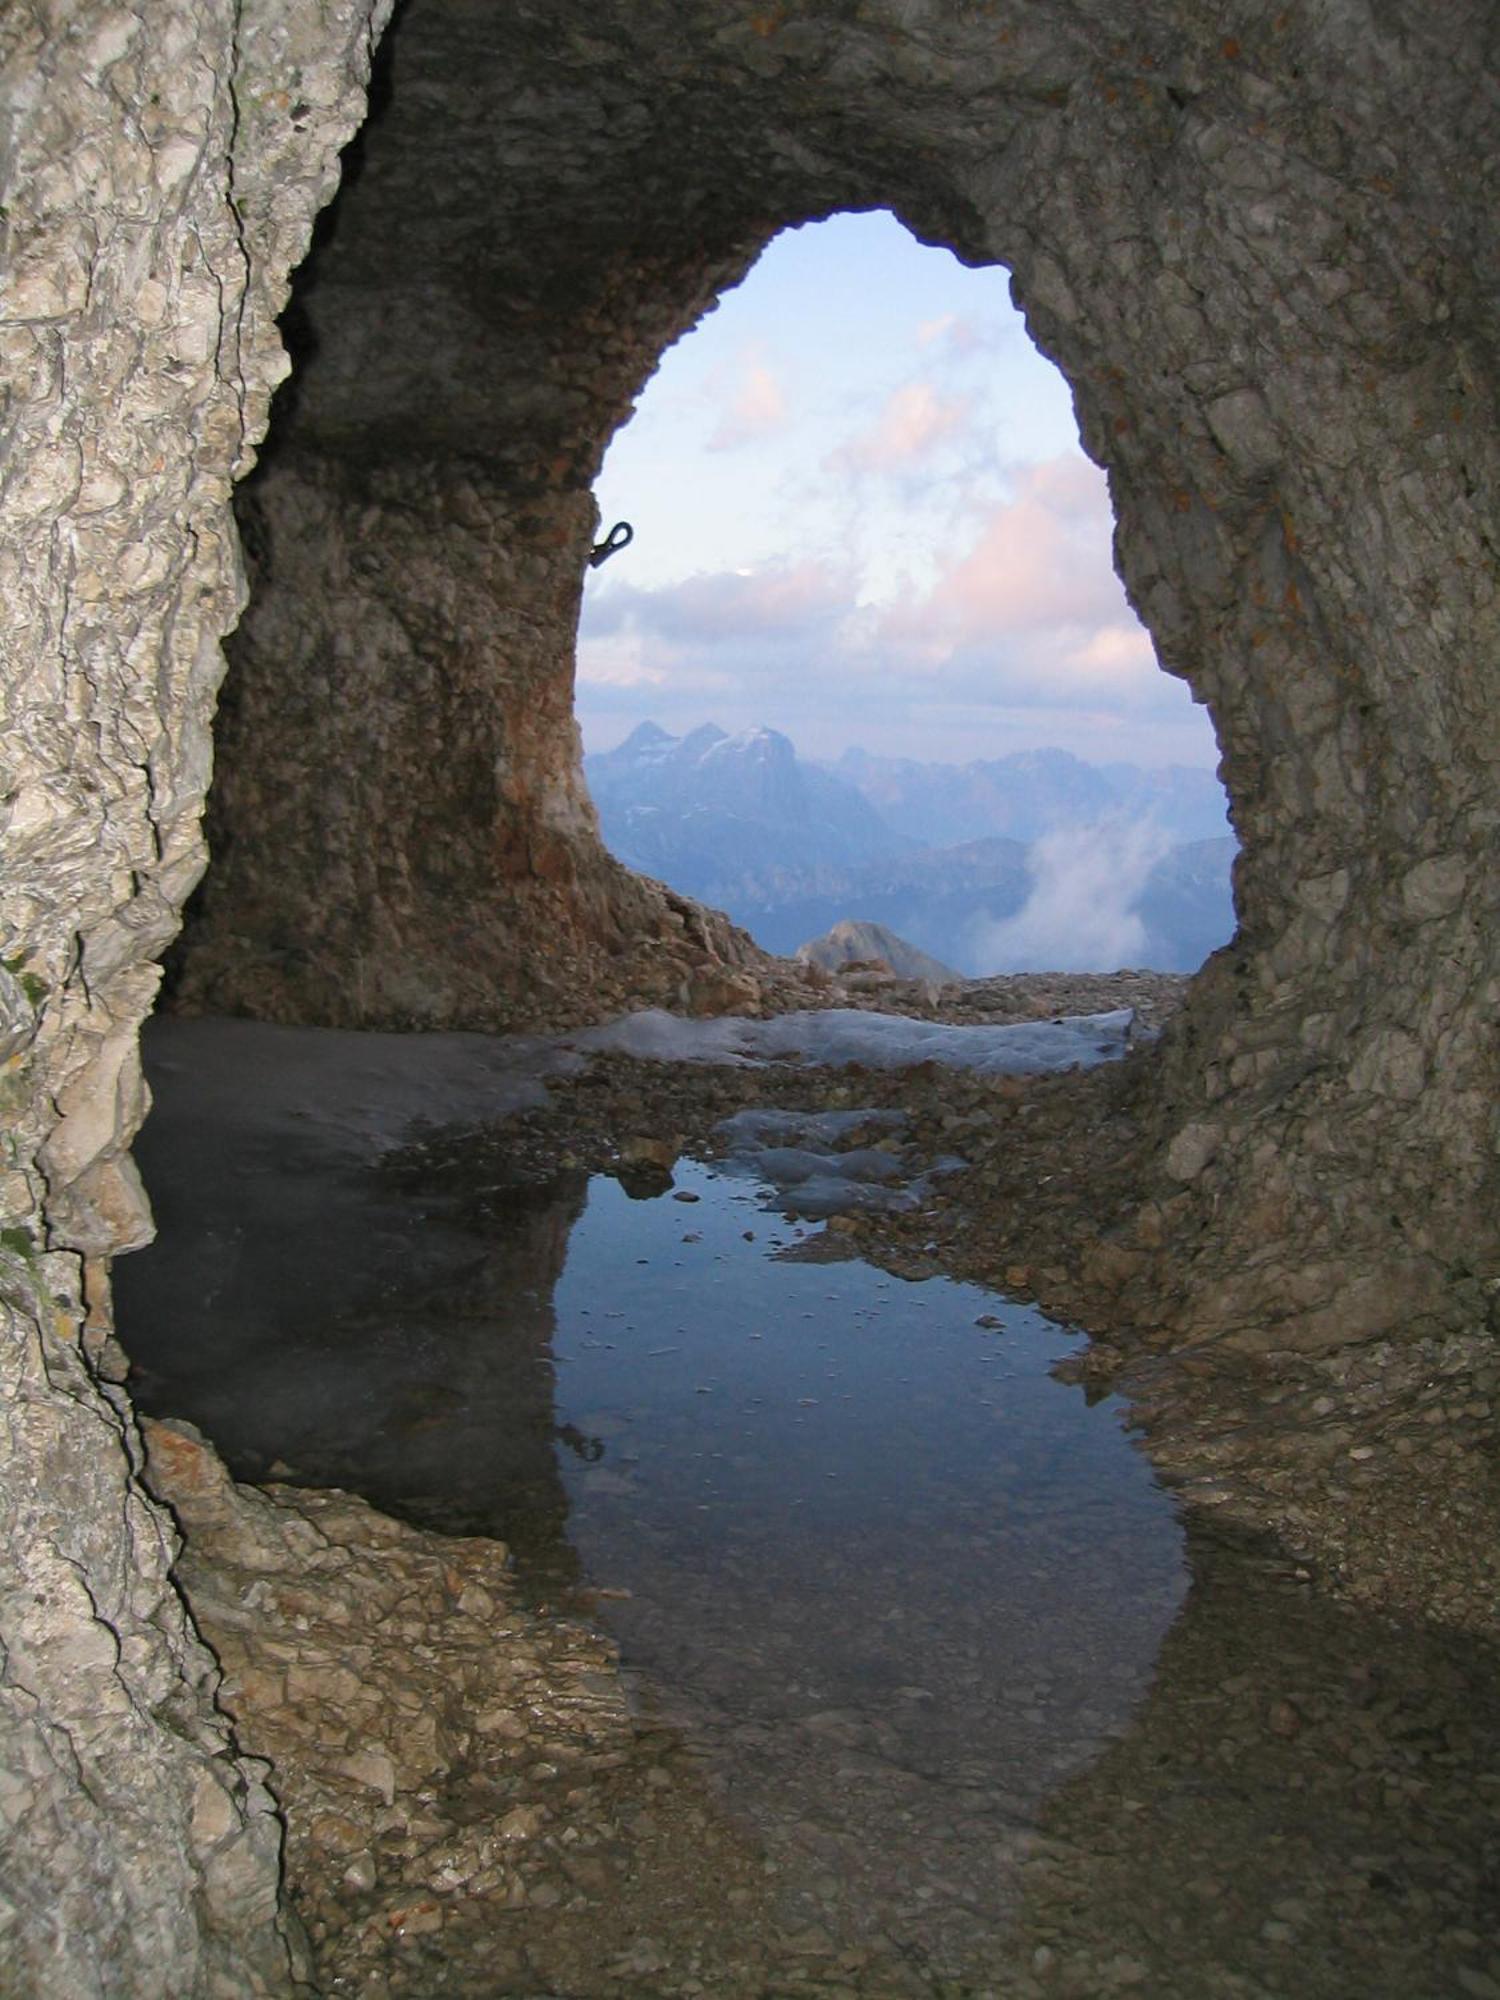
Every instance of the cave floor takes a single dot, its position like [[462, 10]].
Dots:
[[1015, 1722]]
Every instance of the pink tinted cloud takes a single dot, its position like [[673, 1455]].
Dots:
[[916, 419], [757, 409], [779, 601], [1040, 565], [1115, 652], [1042, 559], [950, 331], [1032, 603], [1028, 615]]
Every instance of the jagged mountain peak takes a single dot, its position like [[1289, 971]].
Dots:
[[729, 796], [645, 736], [852, 942]]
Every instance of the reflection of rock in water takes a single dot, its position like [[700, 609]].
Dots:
[[458, 1354], [314, 1311], [1304, 1803]]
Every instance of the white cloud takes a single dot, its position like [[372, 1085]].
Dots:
[[793, 602], [916, 419], [756, 409], [618, 661], [1080, 915]]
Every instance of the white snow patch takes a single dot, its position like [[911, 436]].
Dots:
[[768, 1124], [879, 1041]]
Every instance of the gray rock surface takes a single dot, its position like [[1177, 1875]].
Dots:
[[160, 175], [852, 943]]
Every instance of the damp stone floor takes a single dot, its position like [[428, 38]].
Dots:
[[939, 1643]]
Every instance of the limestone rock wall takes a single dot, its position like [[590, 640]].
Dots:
[[1285, 354], [399, 824], [400, 831], [1273, 293], [161, 169]]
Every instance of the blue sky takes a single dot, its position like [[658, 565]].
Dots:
[[862, 515]]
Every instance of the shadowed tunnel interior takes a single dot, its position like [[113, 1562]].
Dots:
[[539, 205]]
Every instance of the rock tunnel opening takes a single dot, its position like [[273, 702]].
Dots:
[[493, 291], [282, 1383], [489, 294], [410, 628], [871, 636], [1274, 297]]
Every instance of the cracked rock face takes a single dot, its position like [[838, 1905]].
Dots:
[[1273, 292], [153, 204]]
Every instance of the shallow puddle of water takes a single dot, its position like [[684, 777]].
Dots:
[[851, 1536], [920, 1610], [899, 1580]]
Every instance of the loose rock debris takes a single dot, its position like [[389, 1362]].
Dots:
[[471, 1808]]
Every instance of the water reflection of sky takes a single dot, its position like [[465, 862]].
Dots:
[[915, 1602], [825, 1425], [900, 1581], [750, 1396]]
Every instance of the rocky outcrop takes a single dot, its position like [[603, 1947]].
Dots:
[[1273, 292], [400, 828], [851, 943], [140, 1850], [472, 1806]]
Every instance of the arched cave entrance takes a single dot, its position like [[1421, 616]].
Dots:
[[867, 658], [1273, 292], [495, 282]]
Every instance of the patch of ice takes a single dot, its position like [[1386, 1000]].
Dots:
[[879, 1041], [824, 1195], [789, 1166], [807, 1171]]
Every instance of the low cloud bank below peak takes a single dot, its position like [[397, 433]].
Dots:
[[1035, 862]]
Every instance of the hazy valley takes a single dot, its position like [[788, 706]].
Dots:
[[1037, 861]]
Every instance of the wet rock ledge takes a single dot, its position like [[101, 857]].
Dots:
[[470, 1808]]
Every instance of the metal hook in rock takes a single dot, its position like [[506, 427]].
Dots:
[[620, 536]]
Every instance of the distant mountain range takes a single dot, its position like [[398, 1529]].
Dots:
[[1038, 861], [731, 817], [1031, 794]]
